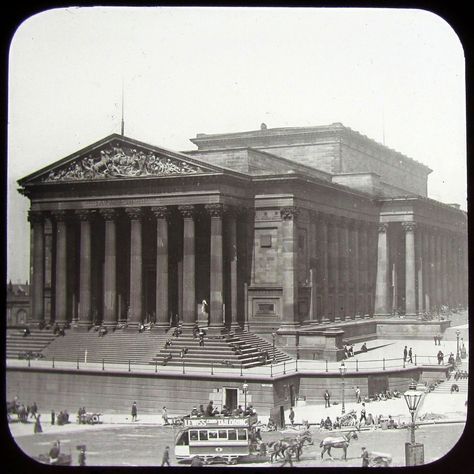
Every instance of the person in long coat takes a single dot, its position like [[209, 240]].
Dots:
[[38, 428], [134, 411]]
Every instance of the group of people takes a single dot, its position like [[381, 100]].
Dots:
[[211, 410], [408, 355], [348, 351]]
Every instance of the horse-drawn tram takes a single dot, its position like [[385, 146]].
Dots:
[[214, 439]]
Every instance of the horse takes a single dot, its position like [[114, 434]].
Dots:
[[342, 441], [294, 444]]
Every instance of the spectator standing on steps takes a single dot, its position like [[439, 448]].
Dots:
[[134, 411]]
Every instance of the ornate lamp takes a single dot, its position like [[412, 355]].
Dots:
[[412, 399]]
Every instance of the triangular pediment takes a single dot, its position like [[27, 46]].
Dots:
[[118, 157]]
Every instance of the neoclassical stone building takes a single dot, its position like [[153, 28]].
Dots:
[[273, 228]]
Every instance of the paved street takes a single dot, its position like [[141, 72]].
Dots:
[[142, 445]]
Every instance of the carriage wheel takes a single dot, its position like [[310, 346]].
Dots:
[[95, 419]]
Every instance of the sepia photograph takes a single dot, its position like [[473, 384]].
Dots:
[[236, 237]]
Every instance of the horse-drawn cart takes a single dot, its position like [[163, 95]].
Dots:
[[377, 459], [89, 418], [62, 460]]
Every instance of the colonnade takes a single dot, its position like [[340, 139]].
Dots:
[[136, 215], [343, 276], [435, 269]]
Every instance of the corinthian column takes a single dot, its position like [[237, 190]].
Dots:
[[135, 315], [61, 267], [37, 266], [189, 268], [216, 320], [410, 275], [85, 313], [290, 284], [110, 267], [381, 287], [232, 251], [162, 215]]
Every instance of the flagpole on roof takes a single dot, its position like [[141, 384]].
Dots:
[[123, 121]]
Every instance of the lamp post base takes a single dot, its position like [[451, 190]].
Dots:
[[414, 454]]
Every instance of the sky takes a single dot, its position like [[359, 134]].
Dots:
[[395, 75]]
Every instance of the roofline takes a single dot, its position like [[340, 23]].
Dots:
[[334, 127]]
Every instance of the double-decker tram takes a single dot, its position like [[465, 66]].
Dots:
[[213, 439]]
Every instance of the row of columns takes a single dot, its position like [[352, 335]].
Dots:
[[344, 268], [162, 215], [435, 269]]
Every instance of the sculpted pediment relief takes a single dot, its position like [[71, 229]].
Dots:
[[119, 160]]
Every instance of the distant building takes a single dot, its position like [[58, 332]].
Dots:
[[18, 304], [273, 228]]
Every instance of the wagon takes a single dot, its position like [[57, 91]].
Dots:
[[90, 418], [377, 459], [63, 459]]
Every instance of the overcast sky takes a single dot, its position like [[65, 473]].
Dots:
[[394, 75]]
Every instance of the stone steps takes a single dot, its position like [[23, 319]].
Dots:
[[217, 349], [445, 387], [115, 347], [37, 341]]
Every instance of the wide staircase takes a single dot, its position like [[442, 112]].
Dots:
[[231, 350], [445, 387], [37, 341], [117, 347], [258, 341]]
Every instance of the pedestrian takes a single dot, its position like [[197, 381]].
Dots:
[[164, 415], [405, 354], [365, 457], [440, 357], [166, 457], [357, 394], [134, 411], [410, 355], [362, 414], [435, 338], [37, 427], [291, 416], [287, 454], [327, 399], [53, 417]]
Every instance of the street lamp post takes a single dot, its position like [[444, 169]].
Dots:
[[273, 341], [342, 370], [458, 357], [245, 387], [414, 454]]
